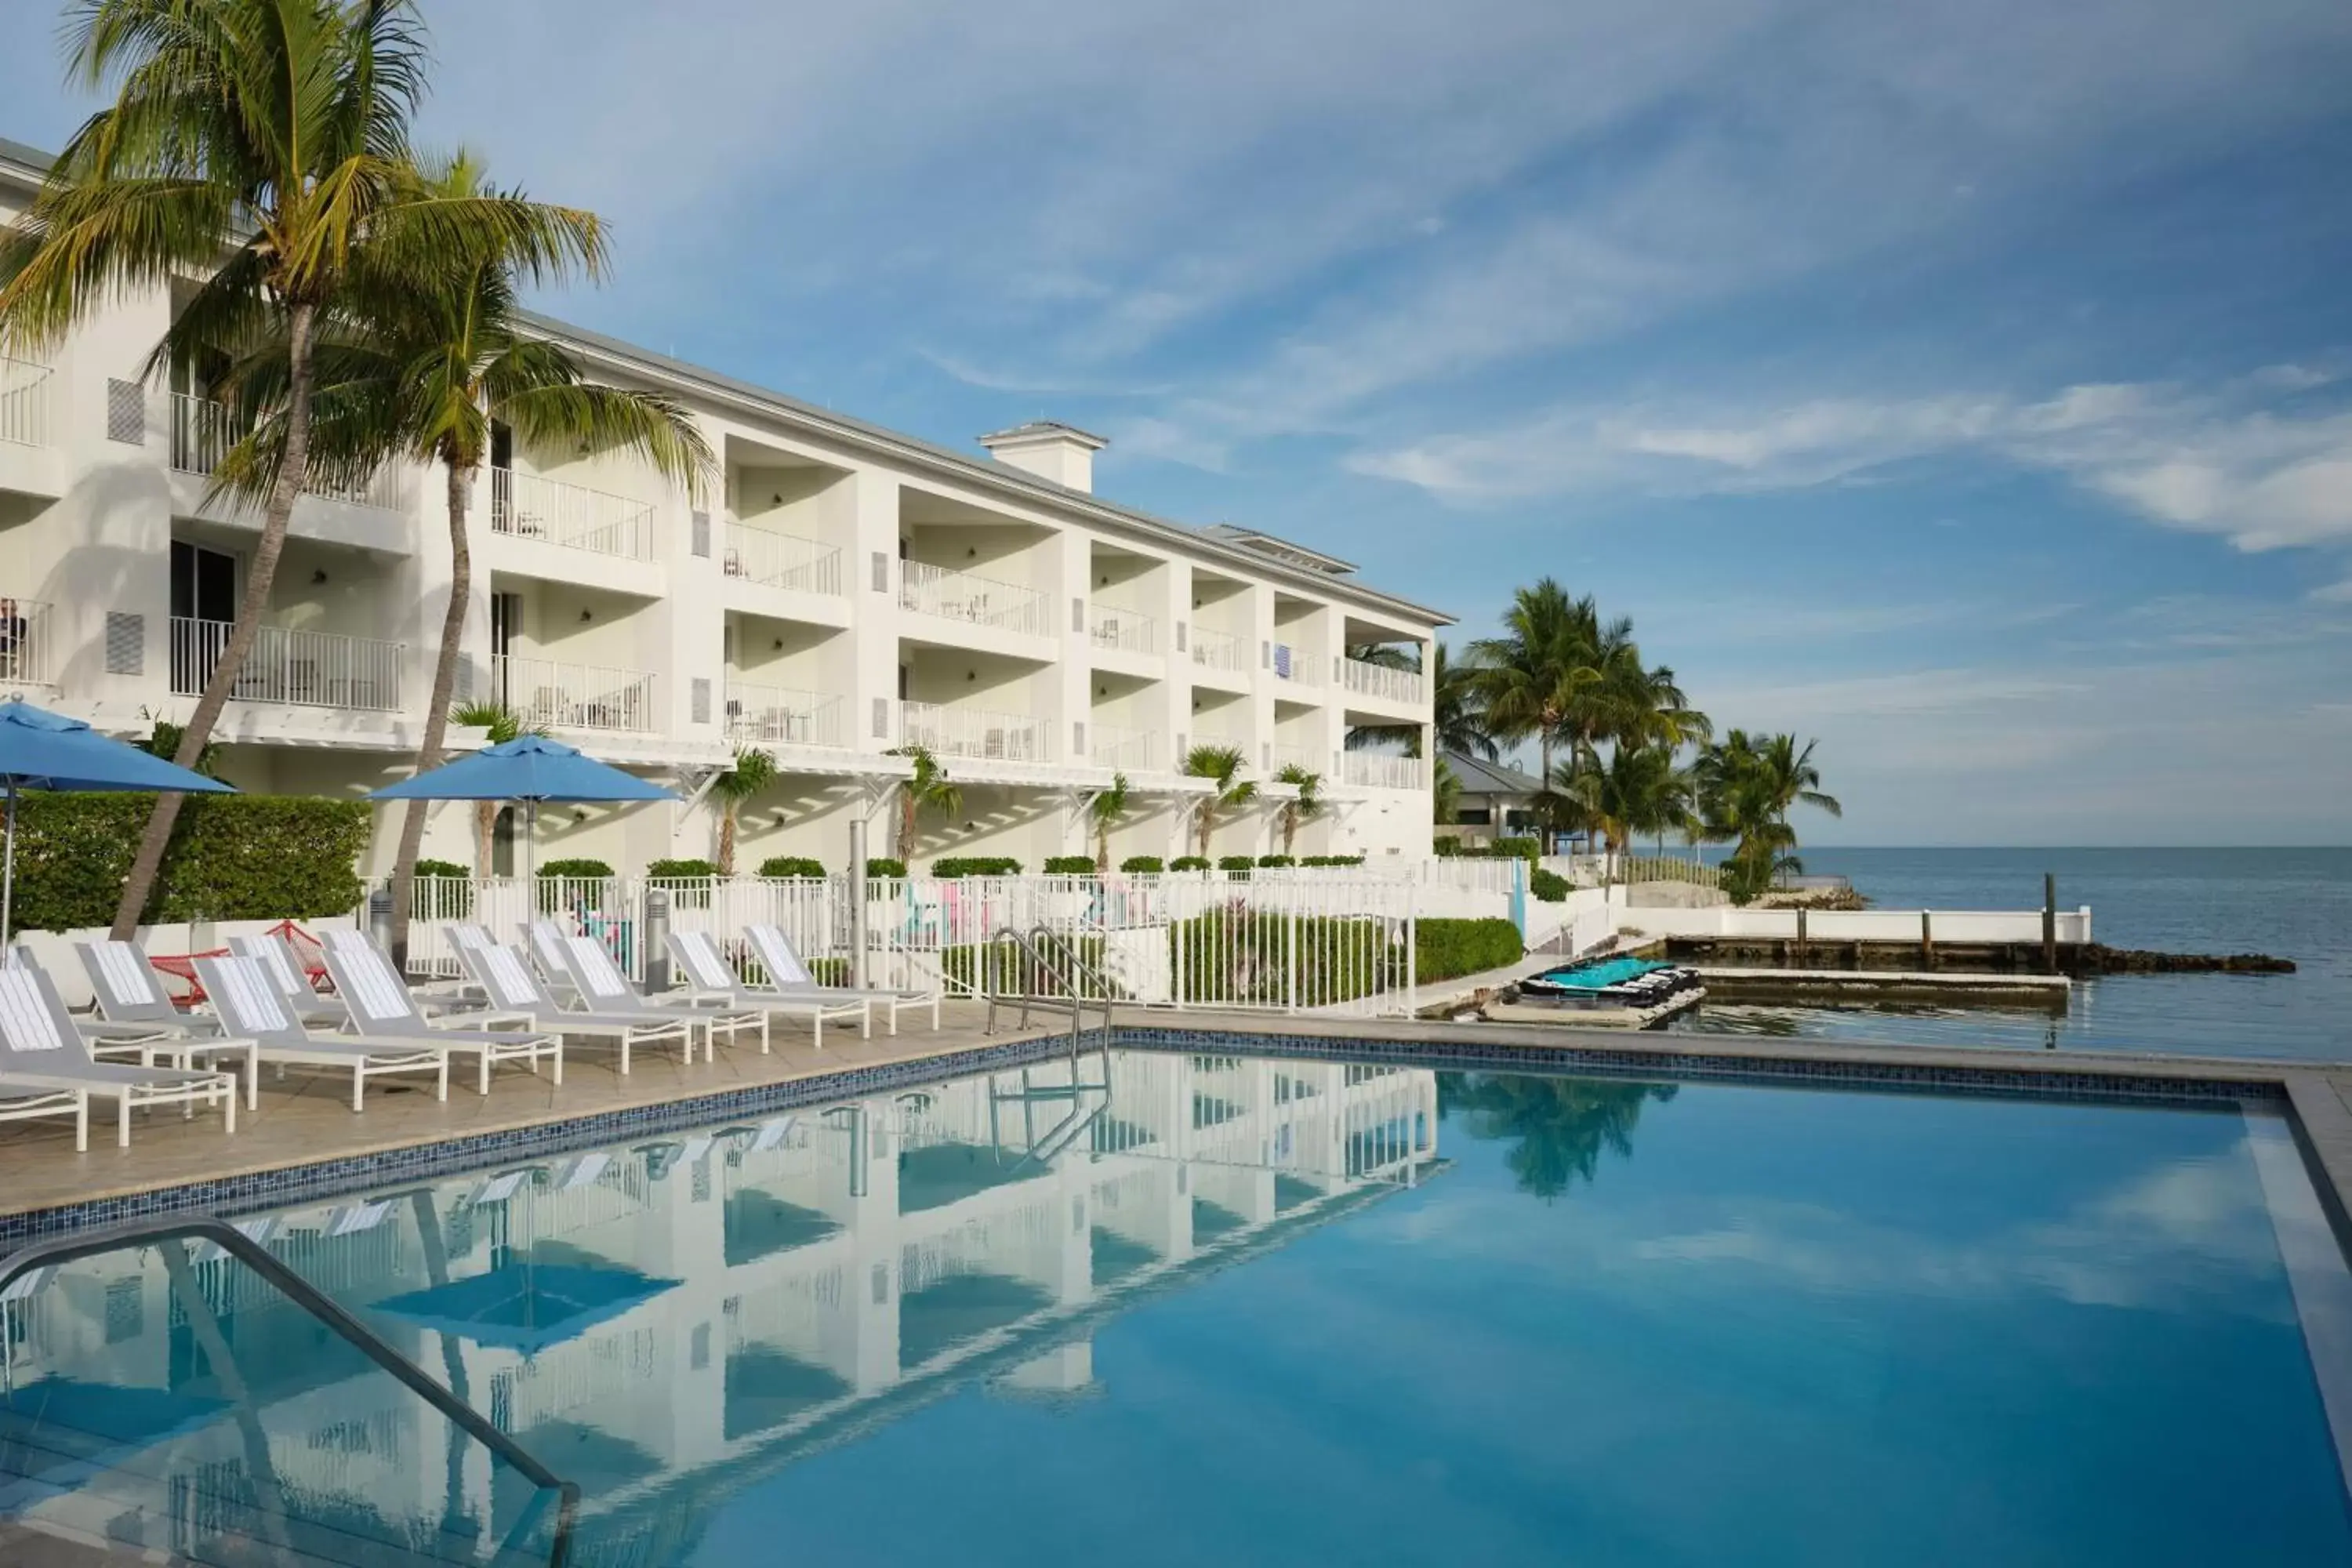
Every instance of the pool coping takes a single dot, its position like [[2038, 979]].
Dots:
[[2313, 1107]]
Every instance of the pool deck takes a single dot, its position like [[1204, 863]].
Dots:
[[305, 1120]]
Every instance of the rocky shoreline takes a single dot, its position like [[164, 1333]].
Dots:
[[2100, 959]]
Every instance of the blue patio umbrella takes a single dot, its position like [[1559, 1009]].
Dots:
[[41, 750], [531, 769]]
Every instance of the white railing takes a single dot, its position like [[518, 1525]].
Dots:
[[528, 506], [573, 696], [949, 731], [1294, 664], [1129, 750], [1379, 771], [204, 432], [1314, 761], [963, 596], [1119, 631], [1286, 940], [1217, 650], [25, 402], [781, 715], [302, 669], [782, 560], [26, 652], [1383, 681]]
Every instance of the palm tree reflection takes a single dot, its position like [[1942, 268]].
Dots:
[[1562, 1124]]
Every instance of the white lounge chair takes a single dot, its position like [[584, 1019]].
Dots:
[[442, 1001], [602, 985], [248, 1002], [503, 974], [293, 986], [786, 972], [380, 1005], [134, 1011], [708, 976], [42, 1053]]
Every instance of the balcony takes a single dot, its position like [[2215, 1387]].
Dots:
[[1383, 682], [1378, 770], [1114, 630], [526, 506], [27, 650], [1295, 666], [299, 669], [1128, 751], [975, 600], [946, 732], [781, 561], [1279, 757], [25, 396], [547, 695], [204, 433], [779, 715], [1217, 650]]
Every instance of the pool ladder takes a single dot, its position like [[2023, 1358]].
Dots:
[[1043, 955]]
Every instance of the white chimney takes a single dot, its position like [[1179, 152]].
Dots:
[[1062, 453]]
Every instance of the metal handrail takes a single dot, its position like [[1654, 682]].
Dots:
[[246, 1251], [1028, 998], [1046, 939]]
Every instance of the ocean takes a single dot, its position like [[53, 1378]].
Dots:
[[2290, 903]]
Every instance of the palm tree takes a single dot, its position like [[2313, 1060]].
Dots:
[[1636, 789], [257, 144], [428, 356], [1221, 765], [1457, 716], [1304, 806], [928, 789], [1535, 679], [1108, 810], [1747, 786], [503, 724], [1560, 1127], [752, 772], [1444, 794]]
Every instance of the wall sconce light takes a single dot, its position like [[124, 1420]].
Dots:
[[318, 575], [972, 552], [585, 616], [776, 499], [780, 645], [971, 675]]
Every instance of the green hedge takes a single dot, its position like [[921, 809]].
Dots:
[[1142, 863], [793, 866], [1332, 860], [680, 870], [1069, 865], [1275, 860], [957, 866], [1004, 966], [1444, 949], [1189, 863], [441, 868], [883, 866], [1549, 885], [231, 857], [579, 867], [1235, 863], [1245, 956], [1446, 846], [1517, 848]]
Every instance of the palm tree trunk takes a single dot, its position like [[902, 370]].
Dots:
[[437, 709], [726, 838], [486, 836], [293, 469], [907, 825]]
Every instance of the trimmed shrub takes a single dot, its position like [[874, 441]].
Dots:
[[701, 877], [1549, 885], [1142, 863], [1069, 865], [1275, 860], [680, 870], [441, 868], [1446, 846], [1189, 863], [1446, 948], [794, 865], [1235, 863], [1004, 966], [883, 866], [1332, 860], [579, 867], [1520, 848], [1239, 955], [955, 866], [231, 857]]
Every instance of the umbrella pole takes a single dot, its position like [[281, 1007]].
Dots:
[[8, 879]]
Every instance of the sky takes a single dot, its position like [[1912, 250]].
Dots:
[[1967, 386]]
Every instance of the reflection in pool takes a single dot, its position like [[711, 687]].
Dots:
[[1210, 1308]]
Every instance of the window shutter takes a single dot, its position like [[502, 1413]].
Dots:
[[1077, 737], [1078, 616], [126, 643], [881, 718], [700, 699], [126, 413], [702, 534], [1179, 636], [881, 572], [1265, 656]]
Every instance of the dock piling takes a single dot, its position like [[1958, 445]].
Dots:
[[2049, 923]]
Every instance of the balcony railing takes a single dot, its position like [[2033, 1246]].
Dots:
[[25, 402], [972, 732], [26, 651], [781, 561], [1119, 631], [962, 596], [204, 432], [542, 693], [1129, 750], [529, 507], [780, 715], [1314, 761], [1217, 650], [1380, 681], [1294, 665], [301, 669], [1380, 771]]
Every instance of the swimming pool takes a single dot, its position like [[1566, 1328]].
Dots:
[[1212, 1307]]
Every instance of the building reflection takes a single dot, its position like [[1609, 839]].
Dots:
[[664, 1321]]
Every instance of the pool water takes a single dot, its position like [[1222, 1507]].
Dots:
[[1211, 1309], [1607, 972]]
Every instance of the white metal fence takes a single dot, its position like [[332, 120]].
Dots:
[[1376, 770], [528, 506], [776, 713], [1214, 649], [1380, 681], [28, 653], [204, 432], [573, 696], [25, 389], [783, 560], [303, 668], [1115, 747], [967, 596], [1122, 631], [974, 733]]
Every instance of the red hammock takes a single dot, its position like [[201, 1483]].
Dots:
[[182, 967]]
